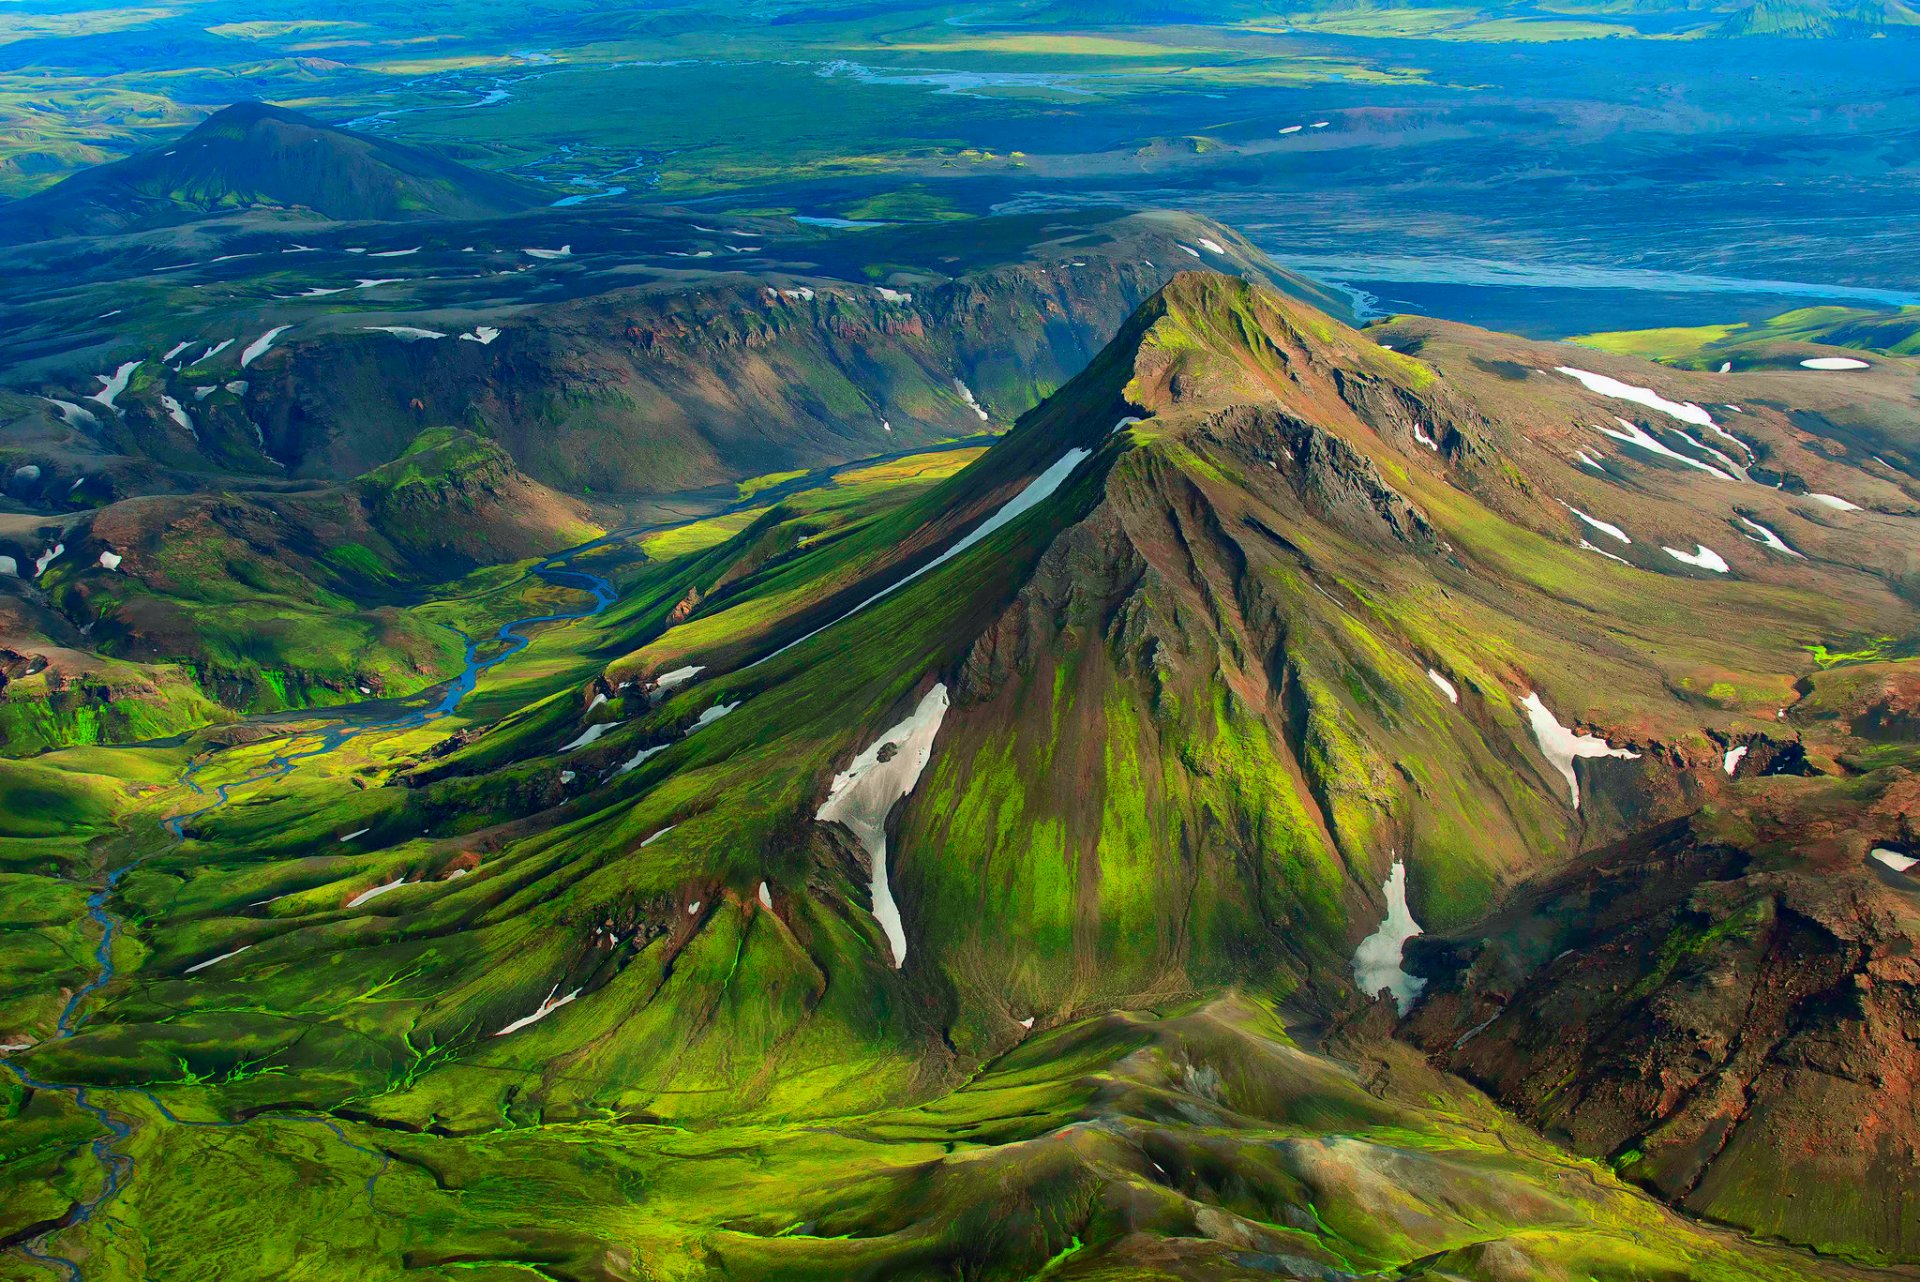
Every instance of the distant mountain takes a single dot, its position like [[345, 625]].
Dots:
[[1819, 18], [256, 156], [1726, 18]]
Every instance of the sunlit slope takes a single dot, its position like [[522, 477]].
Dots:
[[1248, 611], [1782, 341]]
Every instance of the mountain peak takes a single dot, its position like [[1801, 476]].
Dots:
[[1207, 339]]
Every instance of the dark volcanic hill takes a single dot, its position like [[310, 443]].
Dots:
[[256, 156]]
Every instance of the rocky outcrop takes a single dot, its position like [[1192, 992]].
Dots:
[[1727, 1008]]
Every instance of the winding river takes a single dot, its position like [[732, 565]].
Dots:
[[117, 1167]]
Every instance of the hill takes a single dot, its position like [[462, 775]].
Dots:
[[253, 156]]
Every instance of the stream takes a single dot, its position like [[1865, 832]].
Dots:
[[117, 1167]]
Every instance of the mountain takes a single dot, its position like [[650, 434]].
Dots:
[[257, 157], [654, 356], [1803, 19], [977, 861], [1818, 19]]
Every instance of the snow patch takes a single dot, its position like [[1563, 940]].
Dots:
[[1704, 557], [1589, 546], [1835, 502], [366, 896], [1212, 246], [658, 835], [1036, 491], [1765, 537], [1685, 411], [176, 349], [865, 793], [590, 735], [639, 758], [1376, 962], [73, 415], [1561, 745], [109, 560], [258, 347], [1634, 434], [1420, 435], [111, 385], [565, 251], [679, 676], [1698, 444], [45, 559], [1833, 362], [1606, 528], [1731, 762], [1446, 686], [408, 333], [178, 413], [481, 334], [966, 394], [199, 966], [1894, 859], [766, 896], [546, 1008]]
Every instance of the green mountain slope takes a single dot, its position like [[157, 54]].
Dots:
[[1781, 341], [253, 156], [1164, 683]]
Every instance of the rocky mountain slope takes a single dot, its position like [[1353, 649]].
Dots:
[[1724, 1007], [981, 786]]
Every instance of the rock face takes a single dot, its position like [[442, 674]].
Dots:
[[1727, 1008], [644, 392]]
